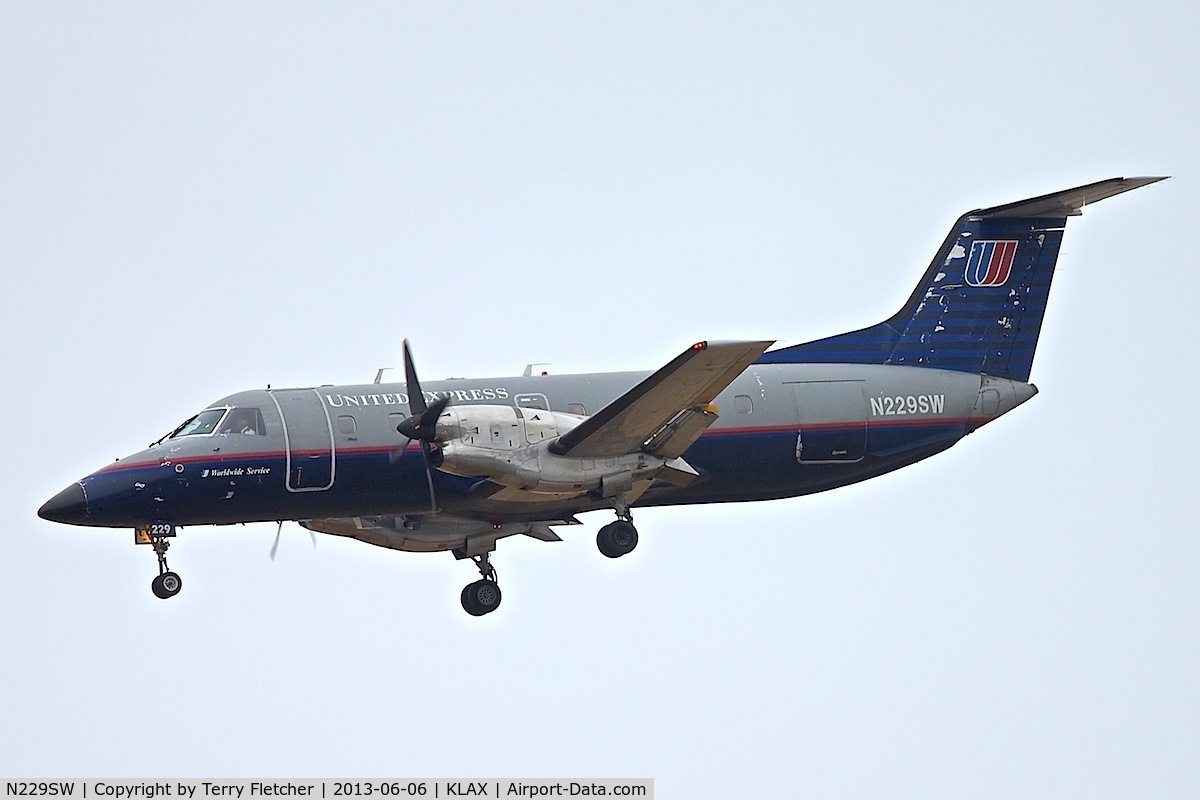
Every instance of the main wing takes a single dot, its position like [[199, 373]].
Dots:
[[666, 411], [422, 533]]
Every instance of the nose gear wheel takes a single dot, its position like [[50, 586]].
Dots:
[[168, 583]]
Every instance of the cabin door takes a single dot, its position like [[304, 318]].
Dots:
[[833, 421], [308, 438]]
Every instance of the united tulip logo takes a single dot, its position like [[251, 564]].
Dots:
[[990, 263]]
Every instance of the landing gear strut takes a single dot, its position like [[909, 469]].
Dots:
[[482, 596], [618, 538], [167, 584]]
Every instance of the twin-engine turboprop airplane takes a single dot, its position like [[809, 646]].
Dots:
[[459, 465]]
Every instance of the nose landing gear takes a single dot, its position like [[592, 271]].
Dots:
[[168, 583]]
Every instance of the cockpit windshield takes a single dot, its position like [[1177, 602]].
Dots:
[[237, 420], [244, 420], [202, 424]]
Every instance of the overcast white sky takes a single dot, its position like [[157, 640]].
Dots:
[[198, 198]]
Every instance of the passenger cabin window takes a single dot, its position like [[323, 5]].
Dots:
[[577, 408], [347, 425], [244, 420], [743, 404]]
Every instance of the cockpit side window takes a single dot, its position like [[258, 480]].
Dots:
[[244, 420], [202, 424]]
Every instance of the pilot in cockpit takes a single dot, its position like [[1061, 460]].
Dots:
[[240, 421]]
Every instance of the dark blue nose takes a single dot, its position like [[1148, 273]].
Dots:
[[69, 506]]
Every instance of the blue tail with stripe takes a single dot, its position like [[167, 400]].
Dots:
[[979, 306]]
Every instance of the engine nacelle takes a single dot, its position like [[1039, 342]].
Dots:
[[510, 446], [502, 427]]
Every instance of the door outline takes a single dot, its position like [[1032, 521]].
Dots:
[[287, 442], [850, 419]]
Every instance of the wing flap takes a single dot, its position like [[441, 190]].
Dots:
[[671, 440], [691, 381]]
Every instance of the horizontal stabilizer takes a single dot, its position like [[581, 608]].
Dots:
[[1068, 203]]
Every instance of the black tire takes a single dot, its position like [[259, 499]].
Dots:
[[481, 597], [617, 538], [166, 585], [602, 543]]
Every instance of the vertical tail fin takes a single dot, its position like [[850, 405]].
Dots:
[[979, 306]]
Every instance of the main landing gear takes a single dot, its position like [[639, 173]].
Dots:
[[618, 538], [482, 596], [167, 584]]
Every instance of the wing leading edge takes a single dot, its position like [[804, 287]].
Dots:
[[661, 407]]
